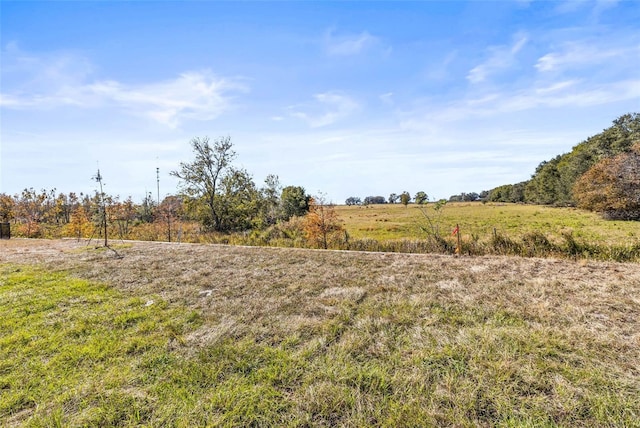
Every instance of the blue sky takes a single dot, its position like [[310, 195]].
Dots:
[[344, 98]]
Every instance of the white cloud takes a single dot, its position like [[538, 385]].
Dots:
[[65, 80], [580, 54], [598, 6], [570, 6], [347, 45], [329, 108], [501, 57], [564, 94], [555, 87], [192, 95], [41, 71]]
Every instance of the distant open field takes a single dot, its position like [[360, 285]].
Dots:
[[193, 335], [395, 221]]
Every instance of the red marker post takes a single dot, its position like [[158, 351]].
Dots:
[[455, 232]]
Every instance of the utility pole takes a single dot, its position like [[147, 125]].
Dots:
[[158, 181], [103, 207]]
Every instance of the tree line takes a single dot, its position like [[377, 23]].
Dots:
[[600, 174], [214, 196], [403, 198]]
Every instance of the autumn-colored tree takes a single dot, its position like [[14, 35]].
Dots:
[[79, 225], [169, 213], [321, 224], [30, 210], [612, 186], [7, 207], [64, 207], [50, 210], [124, 214]]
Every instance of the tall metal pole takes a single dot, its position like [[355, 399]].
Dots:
[[103, 207], [158, 181]]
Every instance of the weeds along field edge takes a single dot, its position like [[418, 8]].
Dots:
[[482, 229], [174, 334], [507, 229]]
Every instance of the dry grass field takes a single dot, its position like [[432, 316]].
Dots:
[[197, 335]]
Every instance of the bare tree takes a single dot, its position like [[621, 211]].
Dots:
[[321, 224]]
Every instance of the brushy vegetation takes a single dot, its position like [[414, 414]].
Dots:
[[193, 335], [486, 229]]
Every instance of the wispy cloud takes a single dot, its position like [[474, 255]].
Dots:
[[564, 94], [387, 98], [65, 80], [500, 58], [556, 87], [195, 95], [328, 108], [349, 44], [583, 53], [570, 6], [597, 6]]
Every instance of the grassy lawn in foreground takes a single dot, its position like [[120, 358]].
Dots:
[[378, 352], [80, 353]]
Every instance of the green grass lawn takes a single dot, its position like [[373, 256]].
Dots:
[[300, 338], [74, 352]]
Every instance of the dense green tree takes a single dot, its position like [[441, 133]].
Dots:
[[500, 193], [554, 180], [420, 198], [271, 206], [353, 200], [405, 198], [295, 202], [506, 193], [201, 179], [543, 186], [517, 193], [239, 202], [374, 200]]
